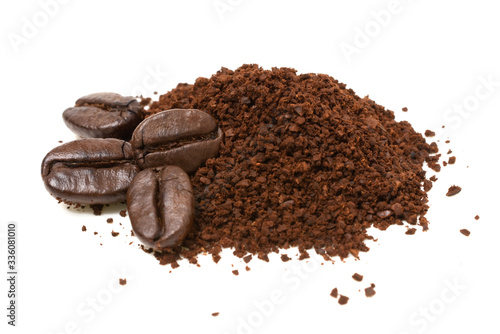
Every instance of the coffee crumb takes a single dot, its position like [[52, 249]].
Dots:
[[174, 265], [215, 314], [465, 232], [123, 213], [114, 234], [247, 268], [451, 160], [369, 292], [95, 233], [60, 141], [132, 234], [247, 258], [334, 293], [84, 228], [405, 109], [429, 133], [123, 281], [235, 272], [285, 258], [357, 277], [476, 217], [447, 141], [343, 300], [453, 190], [411, 231], [433, 178], [109, 220], [97, 208]]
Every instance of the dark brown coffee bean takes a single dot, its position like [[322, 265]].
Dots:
[[91, 171], [104, 115], [180, 137], [160, 205]]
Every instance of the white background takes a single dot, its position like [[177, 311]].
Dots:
[[433, 57]]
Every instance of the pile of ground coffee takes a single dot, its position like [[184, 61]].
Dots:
[[305, 162]]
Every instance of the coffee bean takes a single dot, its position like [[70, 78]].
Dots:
[[160, 204], [104, 115], [90, 171], [180, 137]]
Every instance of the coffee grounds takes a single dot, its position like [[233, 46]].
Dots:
[[122, 281], [215, 314], [235, 272], [357, 277], [343, 300], [452, 160], [411, 231], [370, 291], [465, 232], [115, 234], [476, 217], [305, 163], [334, 293], [109, 220], [453, 190]]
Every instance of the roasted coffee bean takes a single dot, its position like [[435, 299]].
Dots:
[[160, 204], [104, 115], [90, 171], [180, 137]]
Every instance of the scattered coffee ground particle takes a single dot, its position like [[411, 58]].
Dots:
[[452, 160], [123, 281], [442, 126], [369, 292], [130, 243], [449, 152], [465, 232], [114, 234], [453, 190], [97, 209], [60, 141], [447, 141], [476, 217], [109, 220], [445, 163], [285, 258], [433, 178], [247, 268], [95, 233], [156, 93], [123, 213], [357, 277], [429, 133], [411, 231], [247, 258], [318, 163], [235, 272], [84, 228], [174, 265], [132, 233], [334, 293], [215, 314], [405, 109], [343, 300]]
